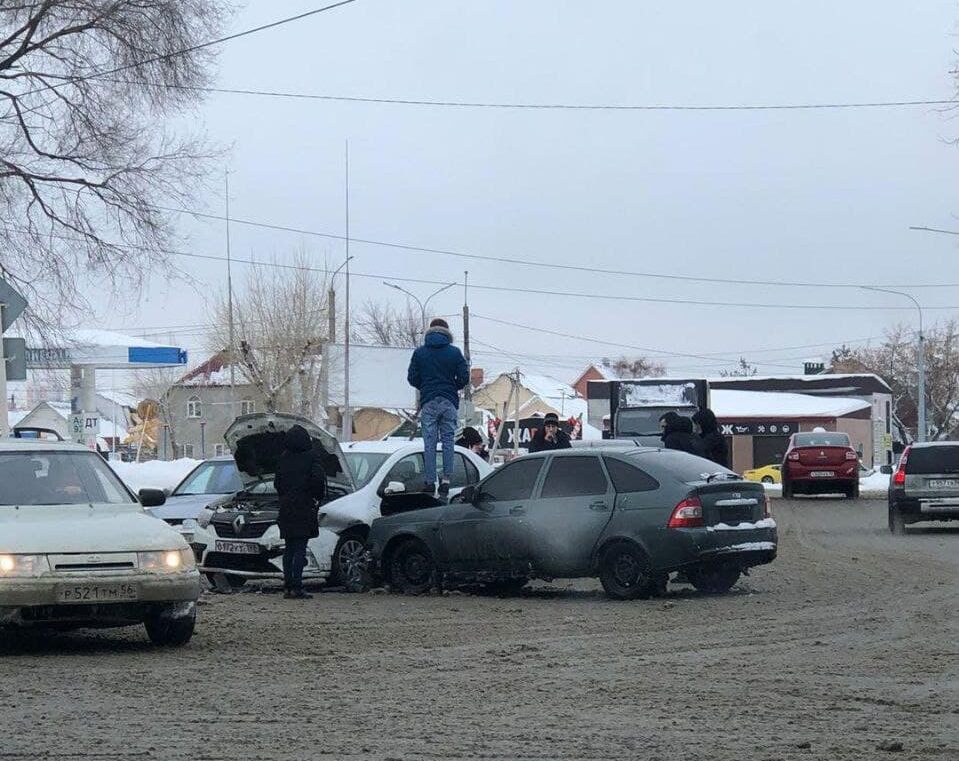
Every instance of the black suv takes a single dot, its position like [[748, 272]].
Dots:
[[925, 486]]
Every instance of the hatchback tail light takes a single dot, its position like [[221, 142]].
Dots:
[[794, 456], [766, 511], [851, 455], [687, 514], [899, 479]]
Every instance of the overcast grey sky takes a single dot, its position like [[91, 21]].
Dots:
[[824, 195]]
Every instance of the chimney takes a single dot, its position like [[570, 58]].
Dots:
[[476, 377]]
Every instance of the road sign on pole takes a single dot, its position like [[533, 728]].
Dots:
[[15, 353], [13, 305]]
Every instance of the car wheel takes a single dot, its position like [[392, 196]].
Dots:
[[768, 480], [235, 582], [348, 560], [788, 491], [853, 492], [897, 525], [412, 569], [170, 632], [714, 580], [624, 572]]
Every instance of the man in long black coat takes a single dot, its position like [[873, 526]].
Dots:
[[300, 482], [714, 443], [678, 434]]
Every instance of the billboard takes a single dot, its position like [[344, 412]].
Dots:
[[377, 376]]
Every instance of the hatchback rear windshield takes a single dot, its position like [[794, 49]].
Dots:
[[821, 440], [686, 467], [923, 460]]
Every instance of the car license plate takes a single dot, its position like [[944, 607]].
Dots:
[[90, 593], [822, 474], [943, 483], [238, 548]]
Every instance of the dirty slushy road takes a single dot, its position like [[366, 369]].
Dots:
[[846, 643]]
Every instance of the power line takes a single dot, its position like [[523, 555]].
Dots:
[[546, 265], [566, 106]]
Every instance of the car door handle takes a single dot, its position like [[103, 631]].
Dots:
[[517, 510], [599, 505]]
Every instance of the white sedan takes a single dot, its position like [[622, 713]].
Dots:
[[77, 549], [383, 469]]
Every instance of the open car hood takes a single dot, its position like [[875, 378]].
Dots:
[[257, 441]]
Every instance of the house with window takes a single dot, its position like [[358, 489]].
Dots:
[[201, 406]]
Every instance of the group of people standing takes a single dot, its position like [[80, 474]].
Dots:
[[698, 435]]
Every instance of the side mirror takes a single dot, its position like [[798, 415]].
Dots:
[[468, 495], [395, 487], [152, 497], [886, 470]]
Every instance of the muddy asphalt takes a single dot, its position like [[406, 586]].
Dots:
[[847, 647]]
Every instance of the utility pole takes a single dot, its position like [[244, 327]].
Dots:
[[347, 413], [468, 393], [4, 416], [516, 415], [229, 298]]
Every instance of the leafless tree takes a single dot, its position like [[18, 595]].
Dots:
[[84, 158], [382, 324], [155, 385], [894, 360], [281, 321], [635, 367], [742, 370]]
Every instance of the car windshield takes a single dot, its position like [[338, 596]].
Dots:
[[219, 477], [364, 465], [644, 421], [821, 440], [59, 478], [933, 460]]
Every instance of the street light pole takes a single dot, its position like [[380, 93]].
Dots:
[[422, 304], [920, 360], [347, 413]]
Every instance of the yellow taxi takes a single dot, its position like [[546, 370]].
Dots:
[[768, 474]]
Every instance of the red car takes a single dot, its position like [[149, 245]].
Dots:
[[820, 463]]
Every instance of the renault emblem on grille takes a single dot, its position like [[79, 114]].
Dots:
[[238, 523]]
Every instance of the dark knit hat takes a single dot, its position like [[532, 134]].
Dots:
[[439, 322], [551, 417]]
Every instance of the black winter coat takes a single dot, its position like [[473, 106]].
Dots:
[[714, 443], [540, 444], [678, 434], [300, 482]]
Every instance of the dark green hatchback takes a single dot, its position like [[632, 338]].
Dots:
[[629, 516]]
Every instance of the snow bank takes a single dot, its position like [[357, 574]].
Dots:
[[155, 474], [876, 482]]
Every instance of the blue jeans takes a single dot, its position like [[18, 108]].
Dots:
[[294, 560], [438, 418]]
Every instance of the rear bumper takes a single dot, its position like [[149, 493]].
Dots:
[[744, 548], [925, 508]]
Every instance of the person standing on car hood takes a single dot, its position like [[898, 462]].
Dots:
[[300, 482], [714, 443], [678, 434], [438, 370]]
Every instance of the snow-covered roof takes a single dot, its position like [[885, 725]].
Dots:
[[121, 398], [728, 404]]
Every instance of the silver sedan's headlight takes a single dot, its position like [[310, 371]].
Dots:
[[166, 561], [20, 566]]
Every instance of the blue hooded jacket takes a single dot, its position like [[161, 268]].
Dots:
[[437, 368]]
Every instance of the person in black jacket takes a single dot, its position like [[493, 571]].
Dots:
[[714, 443], [678, 434], [472, 439], [550, 436], [300, 482]]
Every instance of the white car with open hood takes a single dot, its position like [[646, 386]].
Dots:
[[237, 539], [77, 549]]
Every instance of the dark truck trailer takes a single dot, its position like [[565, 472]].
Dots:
[[635, 406]]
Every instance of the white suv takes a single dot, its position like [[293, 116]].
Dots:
[[77, 549]]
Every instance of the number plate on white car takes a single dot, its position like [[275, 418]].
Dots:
[[943, 483], [238, 548], [90, 593], [822, 474]]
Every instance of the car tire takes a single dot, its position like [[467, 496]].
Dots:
[[897, 524], [348, 564], [714, 580], [788, 492], [412, 568], [232, 582], [170, 632], [625, 572], [768, 480], [853, 492]]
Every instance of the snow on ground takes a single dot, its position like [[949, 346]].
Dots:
[[155, 474], [874, 484]]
